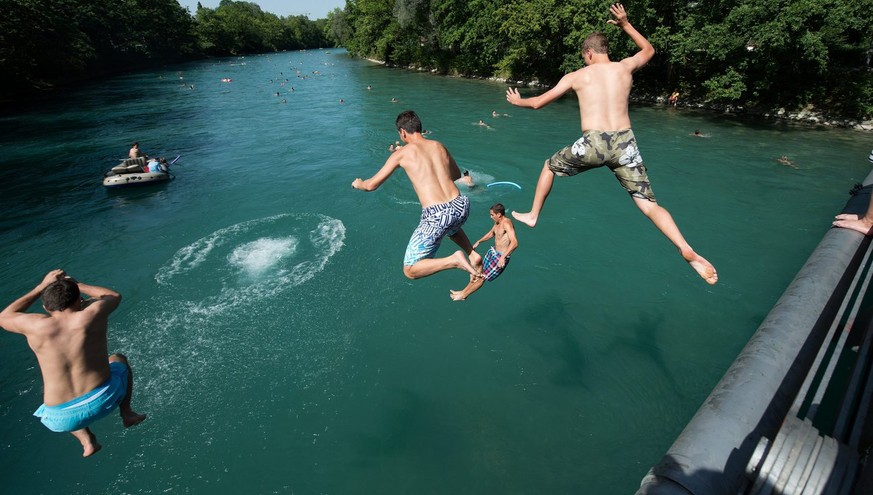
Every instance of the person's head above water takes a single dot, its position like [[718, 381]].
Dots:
[[499, 209], [60, 295], [409, 122]]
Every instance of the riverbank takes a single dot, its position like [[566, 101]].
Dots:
[[808, 115]]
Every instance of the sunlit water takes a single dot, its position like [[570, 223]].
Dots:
[[278, 347]]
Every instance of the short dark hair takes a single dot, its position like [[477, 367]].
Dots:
[[409, 122], [498, 208], [60, 295], [597, 42]]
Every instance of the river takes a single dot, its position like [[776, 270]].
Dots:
[[277, 346]]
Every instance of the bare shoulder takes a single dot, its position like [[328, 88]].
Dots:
[[25, 323], [572, 78], [507, 223]]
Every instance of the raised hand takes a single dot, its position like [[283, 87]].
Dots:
[[619, 13]]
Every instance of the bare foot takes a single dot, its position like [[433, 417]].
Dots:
[[92, 449], [90, 446], [702, 267], [853, 222], [456, 295], [464, 264], [132, 419], [525, 218]]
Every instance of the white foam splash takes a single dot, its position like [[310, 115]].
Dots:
[[193, 255], [270, 264], [258, 256]]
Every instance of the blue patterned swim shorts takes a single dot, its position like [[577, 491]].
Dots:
[[437, 221]]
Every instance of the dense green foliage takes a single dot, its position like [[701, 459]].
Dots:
[[44, 43], [242, 27], [787, 53]]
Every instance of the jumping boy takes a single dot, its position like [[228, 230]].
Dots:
[[497, 256], [603, 88], [432, 171], [80, 384]]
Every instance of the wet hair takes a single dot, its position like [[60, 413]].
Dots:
[[136, 144], [466, 173], [409, 122], [498, 208], [597, 43], [60, 295]]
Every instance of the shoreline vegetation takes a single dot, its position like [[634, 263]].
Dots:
[[804, 61], [807, 115], [49, 45]]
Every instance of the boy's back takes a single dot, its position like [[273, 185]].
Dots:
[[603, 90]]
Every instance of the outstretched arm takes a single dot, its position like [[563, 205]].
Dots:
[[647, 51], [14, 318], [381, 176], [484, 238], [537, 102]]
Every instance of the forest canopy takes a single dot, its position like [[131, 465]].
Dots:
[[771, 54], [775, 53], [45, 43]]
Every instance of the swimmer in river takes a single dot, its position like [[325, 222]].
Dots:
[[784, 160], [467, 180], [602, 88], [497, 256], [432, 171]]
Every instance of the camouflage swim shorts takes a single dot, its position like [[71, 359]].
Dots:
[[616, 149]]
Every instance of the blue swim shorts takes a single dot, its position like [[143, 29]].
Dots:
[[84, 410], [437, 221]]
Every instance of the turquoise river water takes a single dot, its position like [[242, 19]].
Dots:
[[278, 347]]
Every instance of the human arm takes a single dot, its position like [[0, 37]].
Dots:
[[647, 51], [537, 102], [102, 300], [13, 318], [487, 236], [381, 176], [513, 243]]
